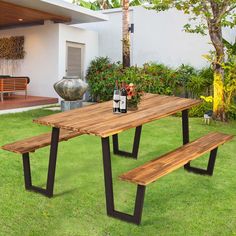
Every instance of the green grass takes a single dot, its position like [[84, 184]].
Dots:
[[180, 203]]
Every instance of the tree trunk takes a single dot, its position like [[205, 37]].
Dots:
[[126, 34], [215, 31]]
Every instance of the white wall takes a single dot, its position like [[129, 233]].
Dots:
[[76, 35], [158, 37], [41, 58], [110, 35], [45, 58]]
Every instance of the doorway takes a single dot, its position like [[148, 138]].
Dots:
[[75, 59]]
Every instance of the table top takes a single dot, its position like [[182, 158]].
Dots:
[[99, 120]]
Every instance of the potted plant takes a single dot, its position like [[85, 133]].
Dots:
[[134, 95]]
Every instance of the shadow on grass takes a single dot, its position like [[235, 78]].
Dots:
[[65, 192]]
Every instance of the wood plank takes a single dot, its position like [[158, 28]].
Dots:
[[40, 141], [99, 120], [12, 13], [155, 169], [104, 117], [81, 113]]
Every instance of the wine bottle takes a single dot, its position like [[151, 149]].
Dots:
[[116, 99], [123, 99]]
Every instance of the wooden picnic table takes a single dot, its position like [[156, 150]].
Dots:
[[99, 120]]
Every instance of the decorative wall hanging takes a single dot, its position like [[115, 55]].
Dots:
[[12, 48], [11, 52]]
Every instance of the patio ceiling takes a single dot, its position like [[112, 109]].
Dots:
[[15, 13]]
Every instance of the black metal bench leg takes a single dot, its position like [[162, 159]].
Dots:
[[51, 167], [110, 206], [27, 171], [185, 131], [134, 153], [212, 160], [138, 210], [210, 168]]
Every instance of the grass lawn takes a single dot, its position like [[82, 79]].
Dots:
[[180, 203]]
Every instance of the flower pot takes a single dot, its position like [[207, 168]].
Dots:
[[132, 105], [71, 88]]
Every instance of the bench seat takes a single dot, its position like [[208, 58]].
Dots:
[[13, 84], [155, 169], [24, 147], [37, 142]]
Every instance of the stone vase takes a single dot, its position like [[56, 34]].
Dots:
[[71, 88]]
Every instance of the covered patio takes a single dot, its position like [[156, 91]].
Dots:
[[44, 27]]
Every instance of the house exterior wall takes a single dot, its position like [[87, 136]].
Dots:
[[73, 34], [158, 37], [41, 57], [45, 58]]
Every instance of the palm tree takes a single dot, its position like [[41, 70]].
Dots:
[[125, 33], [108, 4]]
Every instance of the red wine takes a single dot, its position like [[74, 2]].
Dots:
[[116, 99], [123, 99]]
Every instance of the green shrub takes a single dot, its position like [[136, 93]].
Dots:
[[160, 79], [200, 110], [230, 88], [101, 76], [184, 72], [196, 86], [153, 78]]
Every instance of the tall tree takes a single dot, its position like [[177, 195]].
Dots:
[[108, 4], [210, 15], [125, 33], [94, 5]]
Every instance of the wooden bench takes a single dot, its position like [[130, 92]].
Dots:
[[10, 85], [155, 169], [24, 147]]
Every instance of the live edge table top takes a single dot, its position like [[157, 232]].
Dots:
[[99, 120]]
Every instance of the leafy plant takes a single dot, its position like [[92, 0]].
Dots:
[[134, 94], [161, 79], [230, 88], [211, 16], [231, 48], [153, 78]]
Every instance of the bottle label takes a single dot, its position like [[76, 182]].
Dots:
[[116, 97], [116, 104], [123, 102]]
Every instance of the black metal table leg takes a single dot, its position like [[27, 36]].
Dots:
[[52, 161], [185, 131], [51, 167], [134, 153], [110, 206], [185, 126], [108, 175]]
